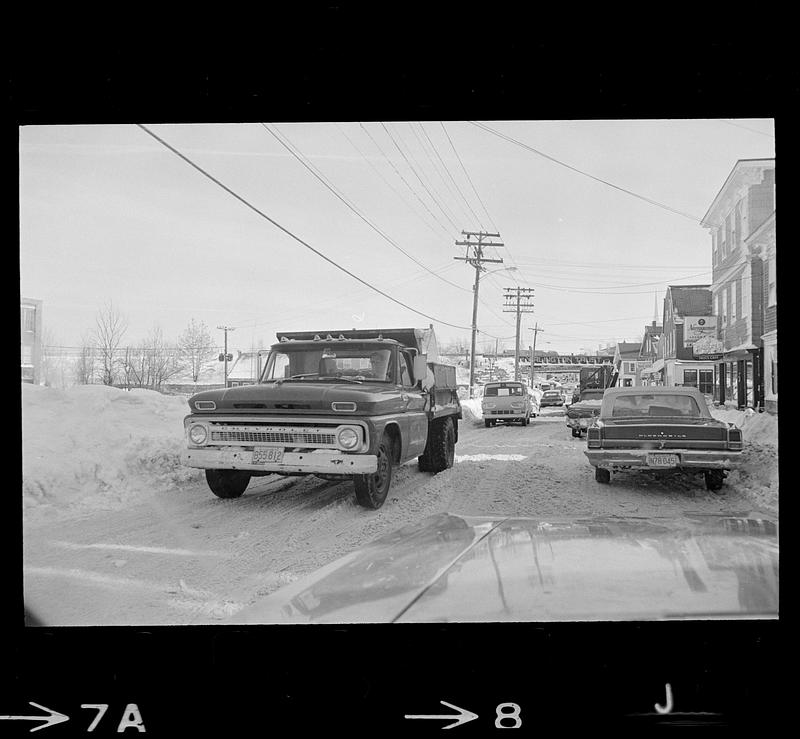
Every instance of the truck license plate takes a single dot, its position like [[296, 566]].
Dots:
[[662, 460], [263, 456]]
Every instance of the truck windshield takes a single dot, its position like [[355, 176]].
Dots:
[[495, 391], [330, 361]]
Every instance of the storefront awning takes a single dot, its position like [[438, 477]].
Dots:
[[743, 351]]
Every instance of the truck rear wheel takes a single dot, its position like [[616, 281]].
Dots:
[[440, 450], [227, 483], [371, 490], [714, 479], [487, 422], [602, 475]]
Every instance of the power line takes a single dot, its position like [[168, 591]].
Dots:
[[297, 154], [746, 128], [430, 179], [289, 233], [389, 184], [397, 146], [405, 182], [446, 184], [469, 179], [586, 174]]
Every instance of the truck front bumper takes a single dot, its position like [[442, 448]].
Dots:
[[687, 458], [324, 461]]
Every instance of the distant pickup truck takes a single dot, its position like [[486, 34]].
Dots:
[[582, 412], [659, 428], [339, 405]]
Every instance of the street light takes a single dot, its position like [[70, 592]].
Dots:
[[475, 320]]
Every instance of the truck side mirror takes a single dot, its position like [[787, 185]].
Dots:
[[420, 369]]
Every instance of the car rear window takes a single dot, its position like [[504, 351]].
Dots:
[[654, 405], [494, 391], [552, 393]]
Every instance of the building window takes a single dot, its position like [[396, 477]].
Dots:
[[27, 354], [772, 294], [690, 378], [728, 233], [627, 382], [706, 382], [745, 294], [737, 225], [28, 318], [733, 300], [721, 242], [720, 313]]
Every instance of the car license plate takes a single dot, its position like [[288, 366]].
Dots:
[[271, 454], [662, 460]]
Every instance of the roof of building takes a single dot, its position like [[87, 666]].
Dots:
[[691, 300], [629, 349], [738, 167]]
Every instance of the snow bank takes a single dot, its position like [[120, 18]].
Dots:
[[471, 409], [758, 470], [98, 447]]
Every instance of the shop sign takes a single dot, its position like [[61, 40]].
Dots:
[[698, 327]]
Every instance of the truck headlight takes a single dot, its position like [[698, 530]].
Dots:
[[198, 434], [348, 438]]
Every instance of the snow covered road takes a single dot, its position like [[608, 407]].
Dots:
[[172, 553]]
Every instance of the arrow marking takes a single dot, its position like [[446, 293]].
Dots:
[[462, 717], [54, 718]]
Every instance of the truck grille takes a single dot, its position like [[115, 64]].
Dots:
[[278, 437]]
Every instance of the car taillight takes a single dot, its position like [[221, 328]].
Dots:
[[735, 439], [594, 437]]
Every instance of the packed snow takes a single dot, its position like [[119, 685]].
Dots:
[[92, 446]]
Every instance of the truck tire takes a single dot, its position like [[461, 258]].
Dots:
[[440, 450], [602, 475], [487, 422], [371, 490], [714, 479], [227, 483], [576, 433]]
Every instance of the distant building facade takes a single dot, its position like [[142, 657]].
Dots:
[[628, 364], [30, 317], [688, 318], [741, 221]]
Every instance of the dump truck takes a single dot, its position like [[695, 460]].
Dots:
[[588, 397], [335, 404]]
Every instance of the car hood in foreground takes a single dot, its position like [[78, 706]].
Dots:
[[454, 568]]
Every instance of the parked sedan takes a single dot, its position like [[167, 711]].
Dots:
[[658, 428], [551, 397]]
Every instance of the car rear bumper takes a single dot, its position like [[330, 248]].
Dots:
[[579, 423], [687, 458], [324, 461]]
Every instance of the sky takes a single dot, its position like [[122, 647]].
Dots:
[[597, 217]]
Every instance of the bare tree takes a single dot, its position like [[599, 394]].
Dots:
[[85, 366], [110, 327], [162, 359], [195, 348]]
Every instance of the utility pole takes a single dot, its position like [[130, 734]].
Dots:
[[535, 330], [474, 256], [514, 304], [225, 357]]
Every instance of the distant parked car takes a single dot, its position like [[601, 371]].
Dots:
[[657, 428], [506, 401], [551, 397]]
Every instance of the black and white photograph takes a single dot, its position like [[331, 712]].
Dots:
[[399, 371]]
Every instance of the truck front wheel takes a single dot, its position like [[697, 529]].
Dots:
[[601, 475], [371, 490], [227, 483]]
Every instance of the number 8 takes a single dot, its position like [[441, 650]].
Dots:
[[503, 714]]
